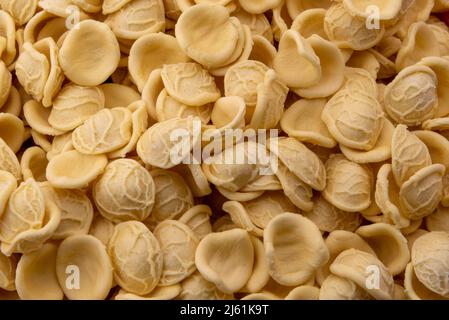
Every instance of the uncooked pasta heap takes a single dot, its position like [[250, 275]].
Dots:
[[224, 149]]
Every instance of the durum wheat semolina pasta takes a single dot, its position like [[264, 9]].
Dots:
[[235, 149]]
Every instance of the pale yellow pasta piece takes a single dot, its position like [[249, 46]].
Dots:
[[280, 21], [151, 90], [73, 170], [172, 195], [76, 211], [159, 293], [8, 34], [260, 296], [296, 56], [357, 79], [8, 160], [139, 120], [296, 7], [408, 154], [411, 238], [365, 60], [160, 148], [430, 258], [232, 169], [195, 178], [336, 242], [262, 51], [169, 108], [411, 98], [117, 95], [332, 65], [389, 245], [110, 6], [241, 218], [86, 257], [105, 131], [60, 144], [196, 287], [91, 6], [329, 218], [441, 68], [228, 113], [276, 291], [75, 104], [12, 131], [388, 46], [263, 183], [437, 145], [102, 229], [381, 150], [438, 220], [201, 32], [5, 83], [338, 288], [37, 117], [294, 249], [56, 7], [8, 267], [415, 290], [243, 79], [151, 52], [54, 27], [348, 184], [420, 42], [125, 191], [310, 22], [136, 257], [239, 55], [172, 11], [421, 193], [302, 120], [304, 293], [38, 70], [29, 220], [189, 83], [387, 9], [258, 23], [13, 104], [90, 53], [445, 197], [265, 207], [137, 18], [239, 195], [218, 262], [349, 31], [34, 164], [8, 183], [302, 162], [387, 197], [297, 191], [36, 275], [197, 219], [354, 119], [53, 84], [259, 6], [178, 245], [41, 140], [441, 32], [259, 276], [354, 265], [32, 70]]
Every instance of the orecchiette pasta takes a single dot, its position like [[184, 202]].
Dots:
[[224, 149]]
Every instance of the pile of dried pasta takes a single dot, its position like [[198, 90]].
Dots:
[[93, 205]]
